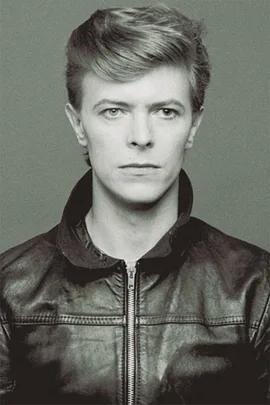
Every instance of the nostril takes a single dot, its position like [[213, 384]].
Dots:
[[142, 145]]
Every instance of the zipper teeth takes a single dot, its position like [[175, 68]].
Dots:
[[131, 271], [131, 347]]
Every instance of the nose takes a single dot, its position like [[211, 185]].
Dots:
[[140, 134]]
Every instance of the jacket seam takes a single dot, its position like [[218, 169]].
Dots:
[[12, 382], [65, 319], [152, 320], [263, 315], [121, 320]]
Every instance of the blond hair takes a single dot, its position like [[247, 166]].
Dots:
[[123, 44]]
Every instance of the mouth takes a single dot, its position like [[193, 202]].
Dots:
[[140, 169], [140, 166]]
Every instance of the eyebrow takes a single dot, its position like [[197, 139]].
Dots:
[[158, 104]]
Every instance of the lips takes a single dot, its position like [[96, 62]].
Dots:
[[140, 166]]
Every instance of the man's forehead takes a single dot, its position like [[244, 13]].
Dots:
[[157, 86]]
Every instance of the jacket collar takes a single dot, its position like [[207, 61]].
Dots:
[[76, 244]]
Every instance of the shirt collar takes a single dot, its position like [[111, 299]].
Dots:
[[76, 244]]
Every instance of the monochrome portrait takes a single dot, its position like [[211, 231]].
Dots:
[[135, 265]]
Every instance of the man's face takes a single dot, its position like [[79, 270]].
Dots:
[[136, 132]]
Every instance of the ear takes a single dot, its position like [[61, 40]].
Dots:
[[196, 122], [76, 123]]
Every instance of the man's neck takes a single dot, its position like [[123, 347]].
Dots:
[[128, 233]]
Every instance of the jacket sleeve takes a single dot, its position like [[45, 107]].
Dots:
[[6, 382], [262, 347]]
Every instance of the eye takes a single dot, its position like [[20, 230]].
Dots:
[[167, 113], [111, 113]]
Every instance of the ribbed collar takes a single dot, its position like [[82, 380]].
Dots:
[[76, 244]]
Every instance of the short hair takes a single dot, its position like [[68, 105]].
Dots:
[[123, 44]]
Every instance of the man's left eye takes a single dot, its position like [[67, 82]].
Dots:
[[167, 112]]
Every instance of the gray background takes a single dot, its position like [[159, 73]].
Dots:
[[40, 159]]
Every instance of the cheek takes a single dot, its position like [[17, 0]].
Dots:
[[97, 138], [176, 157], [176, 131], [174, 143], [103, 151]]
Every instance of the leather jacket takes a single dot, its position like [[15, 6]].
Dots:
[[187, 324]]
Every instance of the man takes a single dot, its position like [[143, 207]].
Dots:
[[129, 300]]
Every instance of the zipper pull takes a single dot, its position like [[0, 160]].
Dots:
[[131, 271]]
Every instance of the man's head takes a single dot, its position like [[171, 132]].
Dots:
[[136, 80]]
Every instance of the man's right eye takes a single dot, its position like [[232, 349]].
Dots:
[[111, 113]]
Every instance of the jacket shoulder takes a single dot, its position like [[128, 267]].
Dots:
[[32, 256], [219, 243], [236, 261], [243, 269], [239, 264]]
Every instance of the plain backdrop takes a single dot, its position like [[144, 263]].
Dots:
[[41, 161]]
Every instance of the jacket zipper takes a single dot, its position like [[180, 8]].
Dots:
[[131, 363]]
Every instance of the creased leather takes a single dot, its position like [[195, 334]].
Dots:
[[202, 316]]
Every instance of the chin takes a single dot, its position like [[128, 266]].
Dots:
[[142, 197]]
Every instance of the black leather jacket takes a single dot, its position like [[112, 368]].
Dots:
[[187, 324]]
